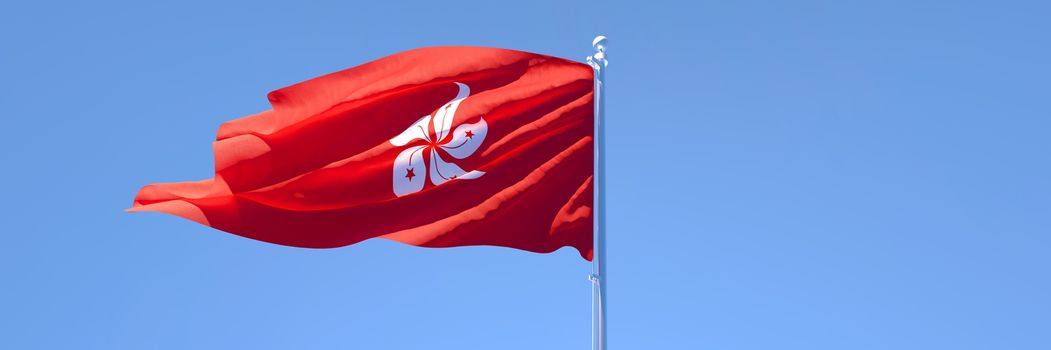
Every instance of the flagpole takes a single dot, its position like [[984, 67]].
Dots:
[[599, 271]]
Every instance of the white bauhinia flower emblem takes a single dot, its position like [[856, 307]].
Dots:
[[411, 166]]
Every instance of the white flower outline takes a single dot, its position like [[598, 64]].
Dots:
[[460, 144]]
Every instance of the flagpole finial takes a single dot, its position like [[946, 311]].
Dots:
[[600, 43], [598, 60]]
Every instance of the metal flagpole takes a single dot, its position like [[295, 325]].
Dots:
[[599, 272]]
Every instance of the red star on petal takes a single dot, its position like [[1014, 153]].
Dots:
[[470, 134], [409, 174]]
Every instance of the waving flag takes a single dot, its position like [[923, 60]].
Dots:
[[435, 147]]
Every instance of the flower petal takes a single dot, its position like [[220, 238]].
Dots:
[[410, 171], [443, 118], [442, 171], [416, 131], [466, 139]]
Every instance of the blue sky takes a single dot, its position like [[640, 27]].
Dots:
[[782, 175]]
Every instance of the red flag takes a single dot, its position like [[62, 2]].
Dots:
[[435, 147]]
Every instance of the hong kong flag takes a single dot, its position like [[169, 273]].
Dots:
[[435, 147]]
